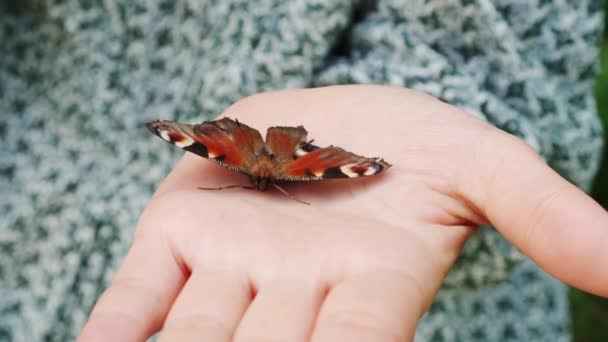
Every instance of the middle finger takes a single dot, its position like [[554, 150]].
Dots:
[[208, 308], [281, 311]]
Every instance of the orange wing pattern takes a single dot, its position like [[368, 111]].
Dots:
[[225, 141]]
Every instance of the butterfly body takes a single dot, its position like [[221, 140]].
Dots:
[[285, 155], [261, 174]]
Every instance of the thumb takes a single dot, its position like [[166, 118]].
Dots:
[[557, 225]]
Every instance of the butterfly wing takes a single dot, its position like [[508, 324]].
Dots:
[[288, 143], [296, 159], [227, 142], [314, 163]]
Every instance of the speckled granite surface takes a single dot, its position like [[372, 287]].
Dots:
[[78, 79]]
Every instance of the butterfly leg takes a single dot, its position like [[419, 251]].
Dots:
[[288, 194], [283, 191]]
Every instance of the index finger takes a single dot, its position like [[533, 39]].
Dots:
[[135, 305]]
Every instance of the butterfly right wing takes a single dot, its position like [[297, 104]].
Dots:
[[227, 142], [331, 162], [296, 159]]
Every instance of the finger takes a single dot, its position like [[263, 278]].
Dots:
[[281, 311], [557, 225], [376, 306], [208, 308], [136, 303]]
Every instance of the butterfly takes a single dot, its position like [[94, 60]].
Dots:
[[285, 155]]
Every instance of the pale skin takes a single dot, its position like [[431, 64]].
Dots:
[[364, 261]]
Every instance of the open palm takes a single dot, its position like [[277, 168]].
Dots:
[[366, 258]]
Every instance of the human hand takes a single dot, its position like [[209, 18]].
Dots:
[[365, 260]]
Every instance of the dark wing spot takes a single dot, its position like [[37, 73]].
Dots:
[[309, 173], [334, 172], [308, 147], [199, 149]]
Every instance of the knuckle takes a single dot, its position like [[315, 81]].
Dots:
[[540, 213]]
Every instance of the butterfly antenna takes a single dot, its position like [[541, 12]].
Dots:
[[228, 187], [288, 194]]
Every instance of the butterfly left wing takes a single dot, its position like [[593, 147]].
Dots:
[[227, 142], [330, 162]]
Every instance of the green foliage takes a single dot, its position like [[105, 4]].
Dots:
[[590, 317], [590, 313], [600, 190]]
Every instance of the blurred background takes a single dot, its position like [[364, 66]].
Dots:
[[590, 313]]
